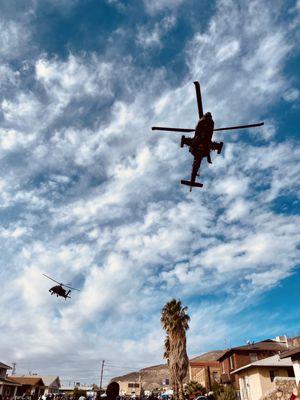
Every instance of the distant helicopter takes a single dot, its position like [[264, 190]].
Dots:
[[201, 144], [59, 290]]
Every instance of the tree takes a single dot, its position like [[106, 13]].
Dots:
[[194, 388], [175, 321], [217, 388], [228, 393]]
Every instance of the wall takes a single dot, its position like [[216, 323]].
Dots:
[[254, 390], [283, 389], [296, 366], [265, 380], [200, 375], [125, 390]]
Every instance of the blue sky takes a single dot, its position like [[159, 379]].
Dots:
[[90, 195]]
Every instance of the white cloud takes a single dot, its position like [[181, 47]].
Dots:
[[73, 78], [101, 207], [13, 37], [156, 6], [151, 37], [11, 140], [291, 95]]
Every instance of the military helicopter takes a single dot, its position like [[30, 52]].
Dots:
[[201, 144], [59, 289]]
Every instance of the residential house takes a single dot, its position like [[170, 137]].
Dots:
[[130, 388], [294, 354], [86, 391], [51, 383], [257, 378], [68, 390], [237, 357], [7, 386], [206, 369], [30, 385]]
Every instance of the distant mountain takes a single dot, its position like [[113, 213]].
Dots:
[[153, 377]]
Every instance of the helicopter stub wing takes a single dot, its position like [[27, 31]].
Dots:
[[199, 99], [162, 128]]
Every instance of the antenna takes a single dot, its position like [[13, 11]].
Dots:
[[286, 341], [13, 372]]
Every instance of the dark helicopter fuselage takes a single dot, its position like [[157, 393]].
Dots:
[[60, 291]]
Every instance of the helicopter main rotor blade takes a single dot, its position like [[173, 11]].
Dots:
[[51, 279], [70, 287], [161, 128], [229, 128], [199, 99]]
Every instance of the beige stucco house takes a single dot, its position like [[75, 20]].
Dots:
[[128, 388], [294, 354], [51, 382], [257, 379]]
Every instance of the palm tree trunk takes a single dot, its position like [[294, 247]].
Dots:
[[181, 393], [176, 390]]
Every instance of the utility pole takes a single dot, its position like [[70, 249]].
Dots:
[[101, 376], [141, 383], [13, 372]]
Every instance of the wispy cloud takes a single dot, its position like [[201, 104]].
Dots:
[[90, 196]]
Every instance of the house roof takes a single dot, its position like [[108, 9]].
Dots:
[[273, 361], [2, 365], [290, 352], [28, 380], [209, 356], [48, 379], [7, 381], [265, 345]]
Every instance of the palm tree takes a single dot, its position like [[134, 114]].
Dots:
[[175, 321]]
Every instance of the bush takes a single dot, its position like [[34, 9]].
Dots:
[[228, 393], [193, 388], [217, 388]]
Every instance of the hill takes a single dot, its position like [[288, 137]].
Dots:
[[152, 377]]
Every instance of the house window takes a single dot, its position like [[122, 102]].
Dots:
[[272, 375], [216, 376], [133, 385], [2, 373], [231, 361], [253, 357]]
